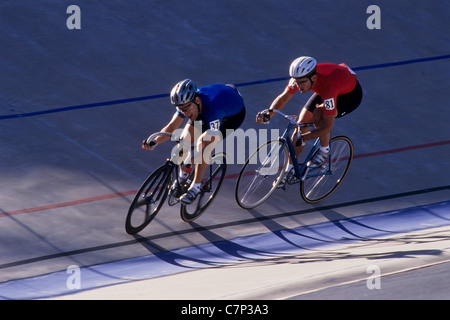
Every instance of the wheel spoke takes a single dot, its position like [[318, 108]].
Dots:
[[259, 179], [152, 194], [209, 189], [319, 184]]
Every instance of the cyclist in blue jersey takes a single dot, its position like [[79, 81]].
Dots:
[[216, 107]]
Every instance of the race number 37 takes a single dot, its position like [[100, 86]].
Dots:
[[214, 125], [329, 104]]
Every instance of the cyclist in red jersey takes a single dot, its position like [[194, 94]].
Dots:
[[337, 92]]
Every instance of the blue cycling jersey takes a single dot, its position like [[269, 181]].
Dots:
[[218, 102]]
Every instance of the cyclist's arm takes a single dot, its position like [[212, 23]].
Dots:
[[277, 104], [173, 124], [281, 100]]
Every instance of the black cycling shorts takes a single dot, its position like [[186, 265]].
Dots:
[[231, 122], [346, 103]]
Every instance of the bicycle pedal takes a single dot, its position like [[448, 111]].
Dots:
[[282, 186], [292, 180]]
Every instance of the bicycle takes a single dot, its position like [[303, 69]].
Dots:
[[264, 169], [160, 185]]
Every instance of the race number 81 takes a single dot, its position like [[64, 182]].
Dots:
[[329, 104]]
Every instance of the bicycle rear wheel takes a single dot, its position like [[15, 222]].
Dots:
[[320, 182], [261, 174], [149, 199], [214, 177]]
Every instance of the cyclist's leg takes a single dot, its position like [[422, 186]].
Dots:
[[197, 159], [211, 138], [209, 141], [190, 132], [349, 101], [346, 103], [306, 115], [318, 120]]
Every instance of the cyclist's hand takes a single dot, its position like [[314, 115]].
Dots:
[[263, 117], [149, 145], [299, 142]]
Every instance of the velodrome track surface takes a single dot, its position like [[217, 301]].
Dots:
[[76, 105]]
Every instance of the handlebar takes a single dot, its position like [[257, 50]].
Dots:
[[152, 137], [177, 152], [151, 142], [290, 118]]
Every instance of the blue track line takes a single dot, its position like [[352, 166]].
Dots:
[[244, 84]]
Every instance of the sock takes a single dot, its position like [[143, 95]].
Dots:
[[325, 149], [182, 174], [289, 167], [195, 187]]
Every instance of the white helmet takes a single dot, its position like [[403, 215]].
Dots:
[[183, 92], [302, 67]]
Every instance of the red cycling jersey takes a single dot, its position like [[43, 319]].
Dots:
[[332, 81]]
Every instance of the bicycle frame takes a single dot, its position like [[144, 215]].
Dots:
[[301, 172]]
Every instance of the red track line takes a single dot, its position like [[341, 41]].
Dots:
[[231, 176], [69, 203], [420, 146]]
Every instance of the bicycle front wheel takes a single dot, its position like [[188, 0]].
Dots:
[[261, 174], [213, 180], [320, 182], [149, 199]]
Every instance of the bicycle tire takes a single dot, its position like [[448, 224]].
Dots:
[[321, 182], [259, 179], [209, 189], [152, 195]]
